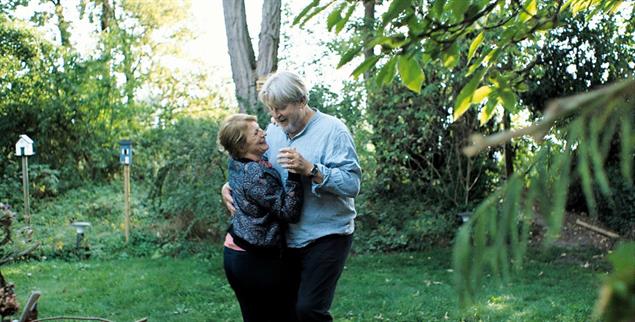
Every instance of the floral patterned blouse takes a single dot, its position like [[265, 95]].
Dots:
[[264, 205]]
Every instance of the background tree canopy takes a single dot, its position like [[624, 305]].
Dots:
[[426, 75]]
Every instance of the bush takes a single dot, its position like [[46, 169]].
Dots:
[[401, 223], [618, 210], [185, 194]]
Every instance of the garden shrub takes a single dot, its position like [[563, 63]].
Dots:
[[185, 190], [617, 211], [397, 223]]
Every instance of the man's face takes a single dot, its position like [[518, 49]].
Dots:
[[290, 117]]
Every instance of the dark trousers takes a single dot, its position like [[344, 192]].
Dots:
[[257, 283], [312, 274]]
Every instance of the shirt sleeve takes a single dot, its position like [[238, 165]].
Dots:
[[266, 190], [341, 171]]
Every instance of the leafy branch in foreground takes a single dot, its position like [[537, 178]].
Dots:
[[581, 129], [414, 34]]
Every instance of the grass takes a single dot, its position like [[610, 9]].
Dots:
[[389, 287]]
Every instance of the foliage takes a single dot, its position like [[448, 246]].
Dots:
[[616, 302], [60, 100], [416, 34], [399, 223], [408, 146], [11, 248], [578, 55], [396, 287], [185, 190], [416, 145], [617, 210], [497, 235]]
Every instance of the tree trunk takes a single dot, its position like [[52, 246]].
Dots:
[[245, 69], [62, 24], [509, 149], [268, 39], [105, 14], [369, 20]]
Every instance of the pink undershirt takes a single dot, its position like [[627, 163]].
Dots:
[[229, 243]]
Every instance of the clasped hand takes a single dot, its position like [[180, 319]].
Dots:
[[293, 161]]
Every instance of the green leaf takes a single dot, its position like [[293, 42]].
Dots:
[[597, 159], [451, 56], [364, 66], [508, 99], [394, 41], [349, 55], [474, 67], [437, 8], [626, 153], [395, 8], [387, 72], [335, 16], [464, 99], [474, 45], [304, 11], [340, 25], [480, 94], [410, 72], [315, 12], [487, 111], [458, 8], [584, 170], [492, 56], [531, 9]]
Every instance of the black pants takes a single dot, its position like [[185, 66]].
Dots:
[[257, 283], [312, 274]]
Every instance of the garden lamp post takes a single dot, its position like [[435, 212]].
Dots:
[[80, 226]]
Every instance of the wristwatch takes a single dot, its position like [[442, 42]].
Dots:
[[314, 171]]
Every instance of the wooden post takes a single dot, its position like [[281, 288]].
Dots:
[[126, 192], [25, 188]]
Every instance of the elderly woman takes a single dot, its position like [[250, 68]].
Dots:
[[256, 236]]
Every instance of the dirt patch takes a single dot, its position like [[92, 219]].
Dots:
[[574, 235]]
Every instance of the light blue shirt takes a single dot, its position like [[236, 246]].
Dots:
[[329, 207]]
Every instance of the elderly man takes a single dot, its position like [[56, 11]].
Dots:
[[320, 148]]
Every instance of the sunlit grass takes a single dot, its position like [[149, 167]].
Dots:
[[392, 287]]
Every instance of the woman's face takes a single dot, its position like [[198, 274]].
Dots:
[[255, 145]]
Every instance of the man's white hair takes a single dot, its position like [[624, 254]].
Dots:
[[281, 89]]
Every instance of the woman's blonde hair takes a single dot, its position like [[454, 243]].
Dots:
[[281, 89], [232, 135]]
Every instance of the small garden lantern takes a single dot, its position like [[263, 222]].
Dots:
[[125, 152], [465, 216], [80, 226]]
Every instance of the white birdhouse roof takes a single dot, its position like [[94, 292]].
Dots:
[[24, 139]]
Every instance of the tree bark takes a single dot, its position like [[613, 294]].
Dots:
[[62, 24], [269, 38], [245, 69], [105, 14], [508, 149], [369, 28]]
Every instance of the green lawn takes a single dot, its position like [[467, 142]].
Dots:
[[393, 287]]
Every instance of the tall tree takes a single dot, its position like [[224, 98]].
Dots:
[[62, 23], [246, 70]]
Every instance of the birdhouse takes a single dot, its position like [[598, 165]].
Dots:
[[24, 147], [125, 152]]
